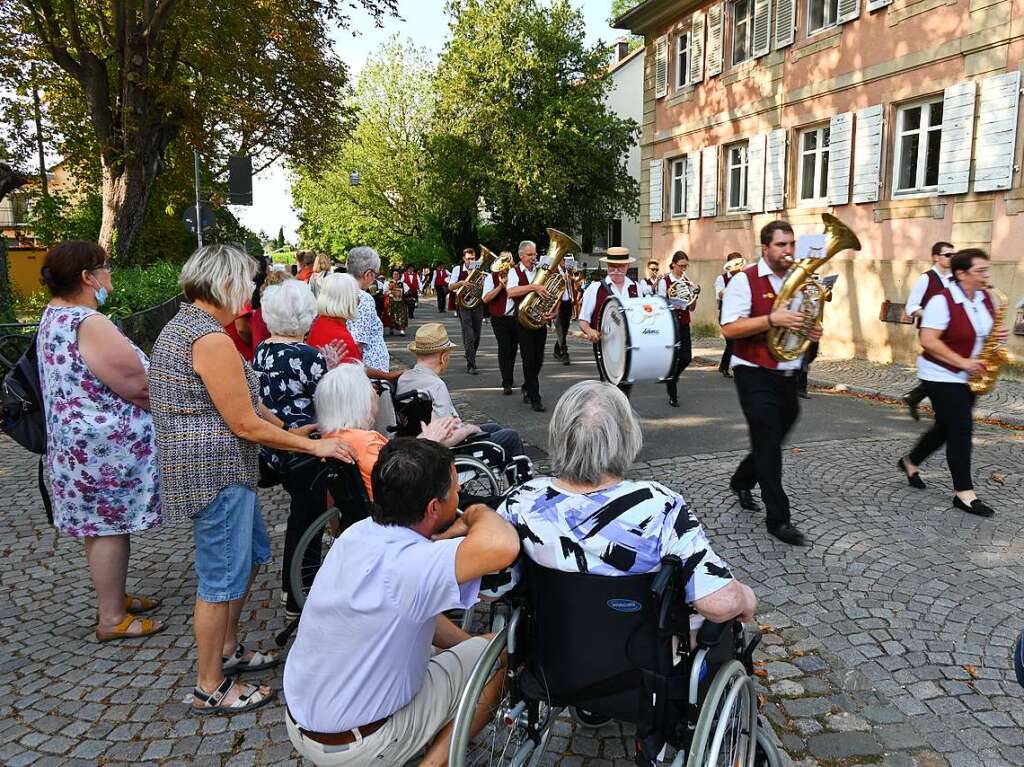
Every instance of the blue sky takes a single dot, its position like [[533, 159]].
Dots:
[[424, 22]]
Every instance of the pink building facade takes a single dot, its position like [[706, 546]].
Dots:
[[901, 117]]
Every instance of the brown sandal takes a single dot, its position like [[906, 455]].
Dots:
[[137, 605], [147, 627]]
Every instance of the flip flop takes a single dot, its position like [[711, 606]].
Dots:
[[147, 627], [257, 662], [249, 699]]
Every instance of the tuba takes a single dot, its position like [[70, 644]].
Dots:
[[471, 294], [684, 290], [993, 353], [501, 264], [801, 283], [734, 266], [534, 310]]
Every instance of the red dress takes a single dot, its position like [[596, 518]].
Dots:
[[333, 332]]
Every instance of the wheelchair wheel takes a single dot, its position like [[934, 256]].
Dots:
[[476, 477], [310, 551], [725, 735], [588, 718], [767, 754]]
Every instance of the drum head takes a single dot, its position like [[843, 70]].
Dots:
[[614, 340]]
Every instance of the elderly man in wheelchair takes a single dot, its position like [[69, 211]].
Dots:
[[619, 608]]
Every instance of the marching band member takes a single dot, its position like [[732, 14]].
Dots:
[[616, 283], [721, 283], [929, 284], [411, 281], [565, 309], [502, 311], [531, 342], [653, 276], [680, 262], [767, 388], [954, 326], [440, 281], [396, 304], [470, 320]]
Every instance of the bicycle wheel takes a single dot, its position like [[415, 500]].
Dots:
[[476, 477], [310, 551], [725, 732]]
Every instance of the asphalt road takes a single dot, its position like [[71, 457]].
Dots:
[[708, 420]]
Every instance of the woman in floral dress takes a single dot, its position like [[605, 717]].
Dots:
[[101, 452]]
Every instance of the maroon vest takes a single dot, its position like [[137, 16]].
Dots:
[[523, 280], [682, 314], [440, 278], [602, 296], [496, 306], [762, 298], [935, 286], [959, 335]]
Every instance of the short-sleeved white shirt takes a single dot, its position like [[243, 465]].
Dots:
[[590, 295], [513, 276], [458, 274], [920, 286], [719, 286], [663, 289], [491, 282], [936, 317], [737, 305]]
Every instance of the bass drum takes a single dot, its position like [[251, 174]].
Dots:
[[639, 340]]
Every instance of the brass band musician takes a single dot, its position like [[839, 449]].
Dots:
[[670, 286], [531, 342], [502, 311], [396, 307]]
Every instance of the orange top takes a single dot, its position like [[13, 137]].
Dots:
[[367, 445]]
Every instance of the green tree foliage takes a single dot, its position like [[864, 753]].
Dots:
[[618, 8], [521, 96]]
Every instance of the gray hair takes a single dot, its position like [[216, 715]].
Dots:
[[593, 433], [361, 260], [223, 275], [289, 308], [339, 296], [525, 244], [344, 399]]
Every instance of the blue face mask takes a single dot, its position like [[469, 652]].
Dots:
[[101, 295]]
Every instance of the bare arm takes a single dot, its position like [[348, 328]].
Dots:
[[591, 334], [931, 342], [522, 290], [491, 544], [736, 600], [111, 359], [780, 318], [447, 634]]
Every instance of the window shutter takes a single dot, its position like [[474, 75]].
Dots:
[[997, 132], [756, 147], [957, 133], [709, 181], [785, 23], [874, 5], [775, 171], [762, 38], [715, 40], [867, 154], [693, 185], [657, 190], [848, 10], [660, 67], [840, 136], [697, 48]]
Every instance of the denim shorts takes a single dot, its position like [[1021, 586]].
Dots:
[[231, 539]]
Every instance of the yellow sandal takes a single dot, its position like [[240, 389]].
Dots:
[[147, 627], [144, 604]]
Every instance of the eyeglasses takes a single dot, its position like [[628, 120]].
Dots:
[[106, 265]]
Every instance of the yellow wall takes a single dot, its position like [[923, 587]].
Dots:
[[23, 265]]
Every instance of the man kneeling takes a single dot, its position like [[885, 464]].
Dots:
[[360, 682]]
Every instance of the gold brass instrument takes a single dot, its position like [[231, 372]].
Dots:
[[801, 282], [534, 310], [470, 295], [993, 353], [734, 266], [684, 290], [501, 264]]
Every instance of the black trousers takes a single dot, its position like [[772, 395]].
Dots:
[[442, 297], [723, 366], [625, 388], [952, 403], [471, 321], [771, 407], [308, 501], [562, 323], [685, 358], [531, 350], [411, 302], [506, 333]]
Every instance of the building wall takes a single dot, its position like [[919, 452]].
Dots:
[[625, 99], [904, 51]]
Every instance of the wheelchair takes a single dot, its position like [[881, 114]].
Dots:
[[615, 648]]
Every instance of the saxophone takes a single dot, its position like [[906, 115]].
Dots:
[[785, 344], [471, 294], [993, 353], [534, 310]]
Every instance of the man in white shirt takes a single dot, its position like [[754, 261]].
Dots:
[[733, 263], [927, 285], [502, 311], [565, 306], [361, 682], [471, 320], [767, 388], [531, 342]]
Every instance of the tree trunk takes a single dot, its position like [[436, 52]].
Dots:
[[126, 192]]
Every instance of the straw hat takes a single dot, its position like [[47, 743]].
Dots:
[[431, 339], [618, 255]]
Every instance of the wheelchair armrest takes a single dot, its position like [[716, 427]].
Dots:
[[663, 580], [710, 634]]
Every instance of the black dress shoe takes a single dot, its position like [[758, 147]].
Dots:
[[803, 394], [507, 389], [538, 406], [977, 507], [914, 480], [912, 403], [788, 534], [726, 374], [673, 402], [565, 359], [526, 397], [746, 500], [473, 371]]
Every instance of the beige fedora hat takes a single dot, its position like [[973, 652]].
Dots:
[[618, 255], [431, 339]]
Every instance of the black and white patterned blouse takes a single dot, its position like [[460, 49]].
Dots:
[[289, 373]]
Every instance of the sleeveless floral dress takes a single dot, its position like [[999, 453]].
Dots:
[[101, 449]]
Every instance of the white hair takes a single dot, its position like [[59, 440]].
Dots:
[[361, 260], [593, 433], [344, 399], [223, 275], [339, 296], [525, 244], [289, 308]]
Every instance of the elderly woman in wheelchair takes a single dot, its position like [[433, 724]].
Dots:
[[621, 609]]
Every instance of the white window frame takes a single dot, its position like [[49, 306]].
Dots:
[[682, 62], [677, 173], [748, 23], [820, 167], [743, 167], [919, 189], [828, 24]]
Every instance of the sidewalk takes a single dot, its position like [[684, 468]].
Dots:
[[1004, 405]]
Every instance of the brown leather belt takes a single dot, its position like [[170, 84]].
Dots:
[[340, 738]]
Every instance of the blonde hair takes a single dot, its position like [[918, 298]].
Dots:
[[276, 277], [322, 263], [339, 296], [219, 274], [344, 399]]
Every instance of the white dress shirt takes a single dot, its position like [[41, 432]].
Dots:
[[457, 275], [737, 305], [936, 317], [663, 289], [920, 286], [590, 295], [719, 286], [490, 283]]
